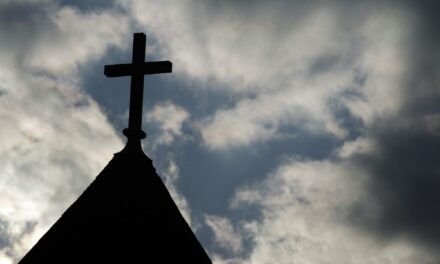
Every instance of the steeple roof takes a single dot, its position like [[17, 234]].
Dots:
[[126, 215]]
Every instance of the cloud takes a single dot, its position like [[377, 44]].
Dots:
[[298, 71], [11, 237], [45, 150], [166, 120], [48, 122], [307, 210], [171, 176], [261, 119], [403, 168], [374, 201], [51, 39], [224, 233], [361, 145], [68, 44], [404, 179], [169, 119]]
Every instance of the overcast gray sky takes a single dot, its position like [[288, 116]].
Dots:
[[289, 131]]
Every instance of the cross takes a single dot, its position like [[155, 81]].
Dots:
[[137, 69]]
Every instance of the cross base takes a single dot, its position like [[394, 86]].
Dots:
[[134, 133], [133, 145]]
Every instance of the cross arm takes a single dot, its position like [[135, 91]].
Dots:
[[154, 67]]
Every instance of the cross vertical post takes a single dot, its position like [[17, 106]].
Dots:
[[137, 85], [137, 69]]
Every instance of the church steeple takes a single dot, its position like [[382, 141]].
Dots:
[[126, 215]]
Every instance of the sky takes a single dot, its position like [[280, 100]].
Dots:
[[289, 131]]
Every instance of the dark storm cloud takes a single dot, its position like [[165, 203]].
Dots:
[[405, 171], [423, 91], [405, 181], [21, 24], [21, 16]]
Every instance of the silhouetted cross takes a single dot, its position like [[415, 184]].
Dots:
[[137, 69]]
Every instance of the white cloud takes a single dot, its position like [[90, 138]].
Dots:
[[5, 259], [45, 152], [224, 233], [216, 259], [260, 119], [171, 176], [169, 117], [54, 138], [384, 62], [361, 145], [76, 38]]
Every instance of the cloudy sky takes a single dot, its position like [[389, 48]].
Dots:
[[289, 131]]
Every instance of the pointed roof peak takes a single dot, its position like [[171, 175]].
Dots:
[[125, 215]]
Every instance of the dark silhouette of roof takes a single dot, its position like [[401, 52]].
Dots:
[[126, 215]]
